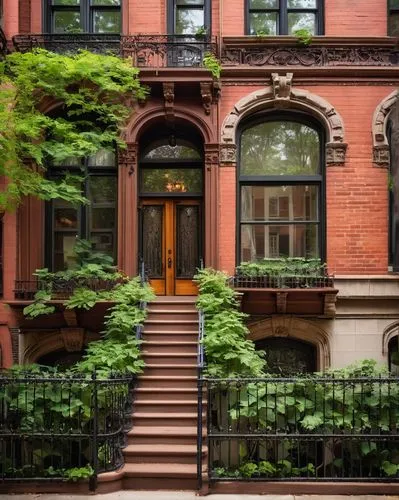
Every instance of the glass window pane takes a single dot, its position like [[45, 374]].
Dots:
[[102, 218], [262, 23], [190, 2], [287, 203], [105, 21], [152, 223], [393, 24], [280, 148], [264, 4], [66, 22], [103, 158], [301, 4], [66, 2], [178, 152], [103, 242], [72, 161], [394, 4], [65, 216], [272, 241], [188, 21], [102, 190], [301, 21], [171, 180], [64, 257], [106, 2]]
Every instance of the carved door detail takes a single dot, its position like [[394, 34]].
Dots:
[[171, 244]]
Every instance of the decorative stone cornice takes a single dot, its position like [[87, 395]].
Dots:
[[228, 154], [271, 98]]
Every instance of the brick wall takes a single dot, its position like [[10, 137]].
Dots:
[[357, 195], [356, 17]]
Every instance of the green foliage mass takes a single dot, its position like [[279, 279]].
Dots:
[[212, 64], [90, 94], [228, 351], [284, 267]]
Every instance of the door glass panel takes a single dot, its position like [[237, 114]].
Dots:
[[187, 240], [64, 257], [152, 224], [66, 22], [393, 24], [260, 241], [171, 180]]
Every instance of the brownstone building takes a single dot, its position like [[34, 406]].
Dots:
[[287, 153]]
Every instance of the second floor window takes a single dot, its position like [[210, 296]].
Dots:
[[393, 17], [83, 16], [284, 17], [189, 17]]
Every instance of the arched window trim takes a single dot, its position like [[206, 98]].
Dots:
[[319, 179]]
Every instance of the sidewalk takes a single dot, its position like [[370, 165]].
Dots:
[[180, 495]]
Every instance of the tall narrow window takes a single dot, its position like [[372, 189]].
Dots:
[[189, 17], [393, 17], [284, 17], [393, 186], [95, 221], [76, 16], [280, 190]]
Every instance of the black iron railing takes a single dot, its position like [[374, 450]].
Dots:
[[168, 50], [3, 44], [281, 281], [62, 427], [61, 288], [69, 43], [303, 429]]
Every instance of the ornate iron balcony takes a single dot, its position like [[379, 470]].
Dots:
[[168, 51], [63, 43]]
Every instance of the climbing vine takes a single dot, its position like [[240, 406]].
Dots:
[[91, 96]]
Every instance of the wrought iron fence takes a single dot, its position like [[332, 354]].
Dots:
[[61, 288], [176, 51], [69, 43], [303, 429], [267, 281], [58, 427]]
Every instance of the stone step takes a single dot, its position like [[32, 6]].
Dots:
[[179, 358], [168, 336], [165, 407], [165, 325], [165, 393], [163, 346], [169, 419], [174, 299], [169, 381], [163, 435], [170, 369], [160, 476], [162, 453], [172, 307], [175, 315]]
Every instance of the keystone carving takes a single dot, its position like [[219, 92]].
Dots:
[[169, 96], [73, 339], [282, 85]]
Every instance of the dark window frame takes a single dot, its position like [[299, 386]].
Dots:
[[282, 12], [83, 211], [391, 10], [87, 12], [172, 7], [288, 180]]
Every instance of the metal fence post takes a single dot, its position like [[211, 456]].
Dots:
[[93, 478]]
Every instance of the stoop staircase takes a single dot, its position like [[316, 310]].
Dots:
[[162, 445]]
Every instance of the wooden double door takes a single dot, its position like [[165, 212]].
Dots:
[[171, 243]]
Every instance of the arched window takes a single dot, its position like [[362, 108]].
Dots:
[[393, 355], [281, 189], [288, 356], [76, 16], [95, 221]]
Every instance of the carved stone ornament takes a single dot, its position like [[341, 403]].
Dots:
[[73, 339], [169, 96], [282, 85], [265, 99], [335, 153], [228, 153], [281, 302], [206, 95], [212, 155], [127, 158], [381, 156], [329, 305]]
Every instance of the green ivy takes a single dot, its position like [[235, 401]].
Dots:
[[284, 267], [212, 63], [228, 351], [93, 94], [304, 36]]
